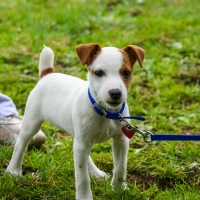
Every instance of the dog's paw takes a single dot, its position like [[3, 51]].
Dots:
[[119, 184], [16, 172], [99, 174], [123, 186]]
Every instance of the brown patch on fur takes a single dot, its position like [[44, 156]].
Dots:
[[87, 52], [130, 55], [92, 71], [46, 71], [134, 53], [127, 66]]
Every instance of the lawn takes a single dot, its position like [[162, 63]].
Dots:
[[166, 91]]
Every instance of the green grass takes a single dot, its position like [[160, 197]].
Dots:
[[166, 91]]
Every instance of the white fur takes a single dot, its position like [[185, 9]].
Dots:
[[63, 101]]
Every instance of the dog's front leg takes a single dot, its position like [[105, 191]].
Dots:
[[120, 153], [81, 154]]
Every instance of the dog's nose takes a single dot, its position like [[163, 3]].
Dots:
[[115, 94]]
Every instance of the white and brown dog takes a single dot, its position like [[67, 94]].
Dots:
[[77, 107]]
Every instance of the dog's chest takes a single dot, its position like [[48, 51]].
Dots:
[[104, 131]]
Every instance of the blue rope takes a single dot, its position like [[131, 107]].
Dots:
[[173, 137]]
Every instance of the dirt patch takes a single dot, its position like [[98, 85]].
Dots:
[[147, 180]]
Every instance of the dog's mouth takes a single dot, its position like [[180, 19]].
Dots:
[[114, 104]]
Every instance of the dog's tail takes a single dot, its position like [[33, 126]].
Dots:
[[46, 61]]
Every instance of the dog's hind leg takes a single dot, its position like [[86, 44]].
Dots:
[[94, 171], [30, 127]]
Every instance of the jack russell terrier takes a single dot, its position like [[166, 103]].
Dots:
[[86, 109]]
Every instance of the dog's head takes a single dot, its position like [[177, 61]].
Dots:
[[109, 72]]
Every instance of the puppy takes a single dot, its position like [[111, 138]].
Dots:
[[82, 108]]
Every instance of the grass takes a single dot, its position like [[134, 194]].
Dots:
[[166, 91]]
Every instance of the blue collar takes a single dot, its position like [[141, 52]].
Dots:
[[111, 115]]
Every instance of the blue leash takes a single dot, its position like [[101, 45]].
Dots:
[[129, 130], [174, 137], [150, 137]]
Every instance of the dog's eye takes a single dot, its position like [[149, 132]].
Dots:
[[99, 73], [126, 74]]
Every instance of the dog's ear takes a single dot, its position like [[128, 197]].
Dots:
[[134, 53], [87, 52]]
